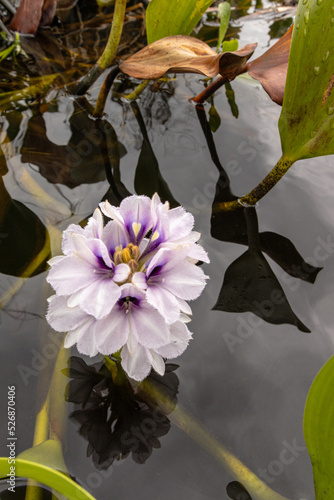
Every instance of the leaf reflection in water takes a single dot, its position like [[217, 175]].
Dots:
[[19, 224], [249, 283]]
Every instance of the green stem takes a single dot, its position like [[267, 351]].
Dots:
[[109, 52], [132, 96], [250, 199], [102, 97]]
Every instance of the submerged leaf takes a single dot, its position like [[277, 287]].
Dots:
[[271, 68], [185, 54], [172, 17], [319, 430]]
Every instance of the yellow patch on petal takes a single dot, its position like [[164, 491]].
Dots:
[[155, 235], [136, 227]]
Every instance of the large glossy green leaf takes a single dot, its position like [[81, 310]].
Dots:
[[319, 430], [173, 17], [307, 120], [50, 477]]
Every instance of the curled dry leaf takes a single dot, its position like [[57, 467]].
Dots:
[[33, 13], [271, 68], [185, 54]]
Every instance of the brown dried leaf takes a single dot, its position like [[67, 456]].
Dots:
[[185, 54], [232, 64], [271, 68], [31, 14], [48, 12]]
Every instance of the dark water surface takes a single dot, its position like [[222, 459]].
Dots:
[[244, 377]]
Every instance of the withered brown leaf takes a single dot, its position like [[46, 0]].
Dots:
[[185, 54]]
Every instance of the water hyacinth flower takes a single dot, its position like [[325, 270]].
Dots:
[[124, 286]]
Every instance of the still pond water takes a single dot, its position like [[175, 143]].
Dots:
[[248, 369]]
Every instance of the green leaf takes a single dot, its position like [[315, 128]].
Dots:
[[173, 17], [224, 14], [230, 45], [307, 120], [229, 92], [48, 476], [319, 430], [214, 119], [5, 53], [48, 453]]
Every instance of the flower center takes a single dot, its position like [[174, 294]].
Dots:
[[128, 255]]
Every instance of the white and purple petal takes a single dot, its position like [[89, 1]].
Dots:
[[165, 302], [82, 334], [71, 274], [148, 326], [185, 280], [139, 280], [61, 317], [179, 339], [111, 333], [136, 364], [98, 298], [114, 236], [136, 214]]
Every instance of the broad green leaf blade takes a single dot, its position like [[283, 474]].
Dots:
[[173, 17], [48, 453], [50, 477], [307, 120], [224, 14], [319, 430]]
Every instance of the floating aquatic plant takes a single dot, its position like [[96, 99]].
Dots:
[[124, 286]]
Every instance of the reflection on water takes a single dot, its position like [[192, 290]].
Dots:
[[249, 282], [19, 224], [250, 394], [114, 418]]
